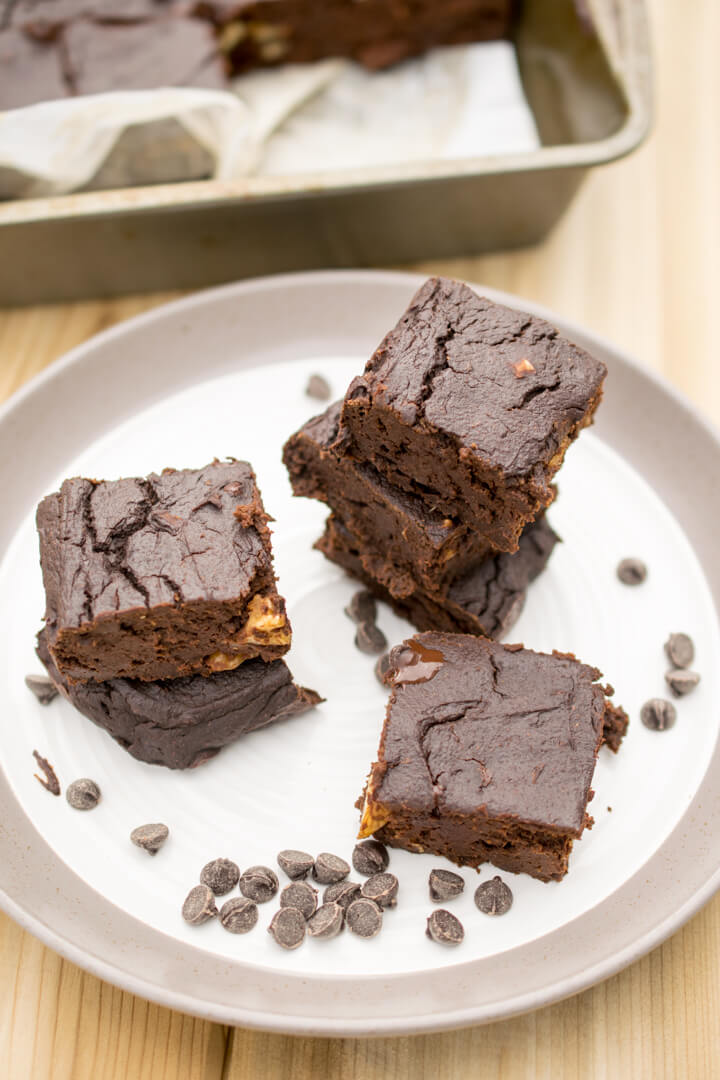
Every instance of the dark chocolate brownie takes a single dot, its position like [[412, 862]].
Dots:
[[487, 599], [487, 754], [30, 71], [423, 546], [375, 33], [144, 56], [471, 405], [160, 577], [181, 723]]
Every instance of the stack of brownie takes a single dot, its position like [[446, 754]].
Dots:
[[163, 621], [438, 465]]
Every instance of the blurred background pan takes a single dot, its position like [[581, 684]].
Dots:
[[586, 72]]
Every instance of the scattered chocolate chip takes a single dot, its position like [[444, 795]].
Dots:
[[296, 864], [370, 639], [364, 918], [370, 857], [300, 895], [680, 650], [288, 927], [681, 681], [632, 571], [220, 875], [328, 868], [318, 387], [493, 897], [43, 688], [362, 607], [238, 915], [382, 667], [83, 794], [259, 883], [382, 888], [150, 837], [443, 927], [658, 714], [199, 906], [342, 893], [50, 782], [327, 922], [444, 885]]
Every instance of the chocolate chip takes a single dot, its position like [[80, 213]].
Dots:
[[382, 888], [632, 571], [150, 837], [370, 857], [259, 883], [43, 688], [342, 893], [288, 927], [83, 794], [362, 607], [50, 782], [444, 885], [318, 387], [443, 927], [296, 864], [300, 895], [327, 922], [658, 714], [680, 650], [370, 638], [199, 906], [330, 868], [493, 897], [238, 915], [220, 875], [382, 667], [364, 918], [681, 681]]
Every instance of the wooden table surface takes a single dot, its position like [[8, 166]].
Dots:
[[637, 258]]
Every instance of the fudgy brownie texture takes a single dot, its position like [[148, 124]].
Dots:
[[487, 753], [471, 406], [423, 546], [487, 599], [180, 723], [164, 52], [375, 33], [160, 577], [30, 71]]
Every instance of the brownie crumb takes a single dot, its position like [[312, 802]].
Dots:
[[50, 781], [43, 688], [318, 387]]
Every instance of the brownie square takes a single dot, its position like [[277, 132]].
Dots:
[[487, 753], [485, 599], [423, 545], [143, 56], [471, 406], [30, 71], [181, 723], [160, 577]]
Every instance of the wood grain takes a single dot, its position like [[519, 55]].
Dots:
[[637, 258]]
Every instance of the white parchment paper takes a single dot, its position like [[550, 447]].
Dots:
[[464, 101]]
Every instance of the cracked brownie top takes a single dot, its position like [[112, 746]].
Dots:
[[477, 727], [505, 386]]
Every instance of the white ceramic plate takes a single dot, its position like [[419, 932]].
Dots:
[[223, 373]]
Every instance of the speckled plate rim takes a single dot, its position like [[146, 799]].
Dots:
[[135, 363]]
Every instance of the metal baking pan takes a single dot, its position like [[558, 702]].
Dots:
[[587, 80]]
